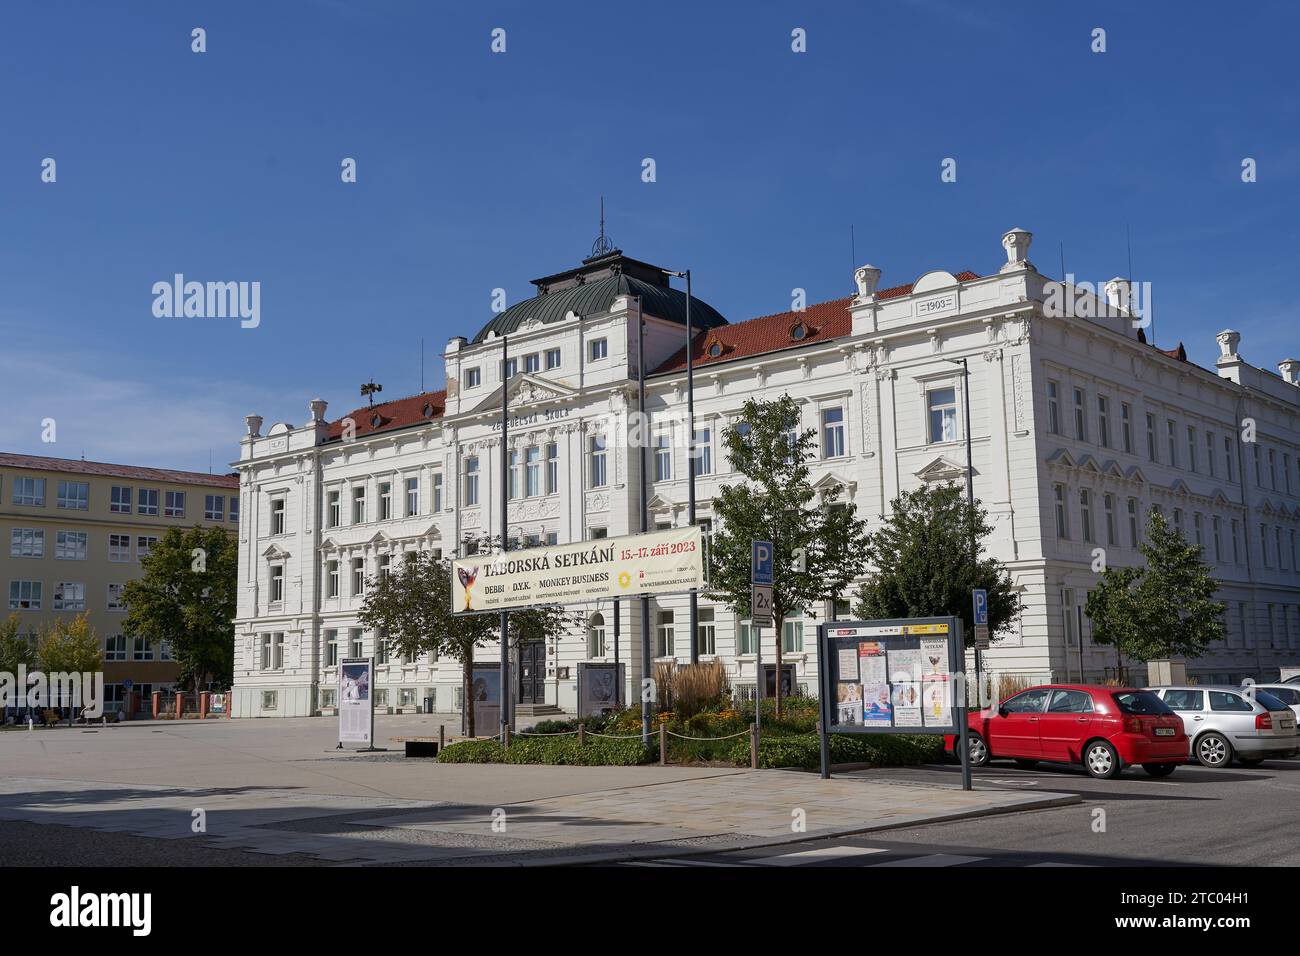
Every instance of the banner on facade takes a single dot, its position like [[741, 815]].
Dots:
[[356, 701], [657, 562]]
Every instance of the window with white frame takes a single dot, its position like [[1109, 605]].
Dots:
[[1085, 514], [1191, 448], [332, 579], [385, 500], [333, 515], [144, 545], [437, 492], [533, 363], [358, 505], [358, 576], [1151, 438], [115, 647], [744, 637], [471, 480], [1062, 521], [277, 516], [1199, 529], [234, 509], [25, 595], [533, 471], [512, 475], [664, 635], [663, 457], [413, 496], [1103, 421], [599, 476], [74, 495], [1209, 453], [1227, 457], [706, 632], [119, 547], [1217, 527], [214, 507], [552, 468], [384, 562], [331, 647], [116, 597], [27, 543], [1080, 415], [1108, 502], [941, 404], [381, 647], [510, 368], [1053, 407], [1236, 543], [597, 349], [473, 377], [703, 463], [552, 359], [277, 583], [833, 432], [270, 700], [1126, 425], [273, 651], [70, 596], [356, 642], [141, 649], [792, 637], [1068, 617], [596, 635], [174, 504], [147, 501], [1171, 440], [119, 500]]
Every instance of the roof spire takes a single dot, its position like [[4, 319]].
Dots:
[[602, 245]]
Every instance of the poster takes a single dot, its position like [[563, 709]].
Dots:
[[904, 664], [848, 703], [877, 710], [848, 663], [872, 663], [934, 655], [485, 697], [356, 706], [597, 688], [936, 696], [906, 698], [652, 563]]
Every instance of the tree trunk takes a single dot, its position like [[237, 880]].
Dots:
[[466, 697], [779, 621]]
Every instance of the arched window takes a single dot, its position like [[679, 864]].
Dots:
[[596, 635]]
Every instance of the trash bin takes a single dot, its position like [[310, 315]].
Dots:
[[428, 705]]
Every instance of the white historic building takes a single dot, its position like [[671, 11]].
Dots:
[[1079, 428]]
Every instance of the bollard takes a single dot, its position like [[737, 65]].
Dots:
[[442, 737], [753, 746], [582, 734], [663, 744], [30, 724]]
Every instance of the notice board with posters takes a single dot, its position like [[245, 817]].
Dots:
[[896, 676]]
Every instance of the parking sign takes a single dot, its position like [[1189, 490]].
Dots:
[[760, 565], [981, 606]]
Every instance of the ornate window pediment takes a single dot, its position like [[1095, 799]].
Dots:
[[942, 470]]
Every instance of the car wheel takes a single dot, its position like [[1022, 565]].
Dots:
[[979, 751], [1213, 750], [1026, 764], [1250, 761], [1160, 769], [1101, 760]]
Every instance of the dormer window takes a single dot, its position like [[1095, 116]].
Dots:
[[715, 349], [428, 409], [799, 332], [376, 420]]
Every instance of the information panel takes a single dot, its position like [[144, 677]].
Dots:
[[356, 701], [895, 676], [653, 563]]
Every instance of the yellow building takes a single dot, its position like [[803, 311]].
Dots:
[[73, 533]]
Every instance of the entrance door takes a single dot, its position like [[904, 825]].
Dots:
[[532, 672]]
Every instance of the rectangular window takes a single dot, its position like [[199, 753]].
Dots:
[[1126, 425], [331, 579], [1286, 471], [277, 516], [355, 642], [27, 543], [277, 583], [1218, 538], [597, 349], [144, 546], [383, 562], [272, 658], [1191, 448], [147, 501], [792, 637], [437, 492], [119, 547], [1236, 542], [552, 359], [358, 576], [1151, 437], [412, 497], [74, 495], [115, 648], [116, 597], [174, 504], [552, 468], [70, 545], [381, 647], [703, 451], [706, 637], [141, 649], [1263, 544], [1103, 421], [1227, 457], [942, 406], [598, 471], [29, 491], [214, 507], [513, 475], [234, 509], [70, 596], [1170, 432], [596, 635], [25, 595], [1053, 408], [744, 637], [358, 505], [1108, 501], [1085, 514], [473, 376], [385, 500], [1080, 415], [1134, 528], [1178, 520], [664, 635], [331, 648], [1282, 561], [532, 471], [1062, 523], [1259, 476], [333, 512], [1199, 529], [471, 480], [510, 369], [663, 457], [1069, 617], [119, 500], [833, 433], [533, 363]]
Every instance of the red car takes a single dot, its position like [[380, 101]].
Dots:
[[1103, 728]]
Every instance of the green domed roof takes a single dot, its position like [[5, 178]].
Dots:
[[592, 288]]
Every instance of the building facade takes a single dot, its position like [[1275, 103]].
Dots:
[[1079, 428], [76, 532]]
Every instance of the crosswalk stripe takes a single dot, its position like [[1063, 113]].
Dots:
[[934, 859], [814, 856]]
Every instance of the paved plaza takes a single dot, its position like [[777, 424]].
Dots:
[[277, 791]]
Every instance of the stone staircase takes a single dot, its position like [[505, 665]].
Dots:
[[538, 710]]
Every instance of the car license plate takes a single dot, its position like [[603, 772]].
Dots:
[[1164, 731]]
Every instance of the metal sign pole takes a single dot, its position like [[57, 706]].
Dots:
[[963, 738], [823, 679], [505, 510]]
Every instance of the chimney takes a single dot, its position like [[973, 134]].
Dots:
[[1119, 294], [254, 425], [1228, 341], [1016, 243], [317, 406], [867, 278], [1289, 369]]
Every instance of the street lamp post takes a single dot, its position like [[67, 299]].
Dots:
[[970, 481]]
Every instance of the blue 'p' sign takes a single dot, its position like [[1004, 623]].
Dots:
[[760, 564], [981, 606]]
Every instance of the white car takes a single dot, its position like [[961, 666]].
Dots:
[[1288, 694]]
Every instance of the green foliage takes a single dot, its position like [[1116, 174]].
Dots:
[[555, 751], [473, 751], [187, 597], [70, 645], [877, 750], [1166, 607], [923, 563], [819, 544], [15, 650]]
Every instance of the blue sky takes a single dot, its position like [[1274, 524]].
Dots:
[[478, 170]]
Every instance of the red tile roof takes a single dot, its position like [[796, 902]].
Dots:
[[399, 413], [769, 333], [104, 469]]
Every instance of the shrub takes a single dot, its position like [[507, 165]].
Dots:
[[803, 750], [698, 687], [472, 751], [555, 751], [553, 727]]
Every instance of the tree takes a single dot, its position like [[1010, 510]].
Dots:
[[15, 649], [412, 609], [1166, 607], [928, 557], [187, 597], [69, 646], [818, 545]]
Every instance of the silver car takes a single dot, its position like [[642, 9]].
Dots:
[[1288, 694], [1226, 722]]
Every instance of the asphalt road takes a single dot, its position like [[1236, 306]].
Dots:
[[1196, 817]]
